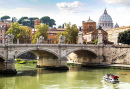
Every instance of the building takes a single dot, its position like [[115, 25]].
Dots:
[[116, 26], [3, 28], [53, 34], [88, 26], [105, 21], [113, 33], [91, 36], [36, 22]]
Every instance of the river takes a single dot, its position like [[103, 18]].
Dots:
[[30, 77]]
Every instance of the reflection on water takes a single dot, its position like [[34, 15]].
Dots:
[[30, 77]]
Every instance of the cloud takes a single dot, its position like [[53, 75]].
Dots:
[[72, 7], [124, 2]]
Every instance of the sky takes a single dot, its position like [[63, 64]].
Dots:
[[65, 11]]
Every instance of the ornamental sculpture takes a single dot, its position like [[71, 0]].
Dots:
[[41, 40], [9, 38], [62, 39]]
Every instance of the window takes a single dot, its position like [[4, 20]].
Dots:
[[97, 37], [1, 31], [1, 36], [85, 27], [105, 37], [90, 27], [0, 41], [93, 37]]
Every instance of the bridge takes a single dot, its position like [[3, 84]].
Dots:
[[55, 55]]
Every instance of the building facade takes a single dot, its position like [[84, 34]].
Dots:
[[105, 21], [113, 33], [88, 26], [3, 28], [91, 36]]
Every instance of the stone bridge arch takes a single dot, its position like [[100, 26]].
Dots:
[[18, 53], [77, 49], [82, 55], [2, 57]]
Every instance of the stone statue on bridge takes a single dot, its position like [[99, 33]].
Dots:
[[9, 38], [62, 39], [41, 40]]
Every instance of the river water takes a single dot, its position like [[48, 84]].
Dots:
[[30, 77]]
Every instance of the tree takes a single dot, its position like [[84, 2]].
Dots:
[[14, 19], [124, 37], [96, 41], [21, 19], [32, 21], [63, 26], [70, 33], [48, 21], [59, 26], [60, 33], [5, 17], [20, 32], [41, 31]]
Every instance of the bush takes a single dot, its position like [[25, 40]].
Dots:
[[96, 41]]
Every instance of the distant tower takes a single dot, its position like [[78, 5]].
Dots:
[[36, 22], [105, 21], [116, 26], [88, 26]]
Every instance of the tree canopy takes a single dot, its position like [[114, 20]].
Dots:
[[20, 32], [48, 21], [124, 37], [27, 21], [41, 31], [21, 19], [5, 17], [70, 33]]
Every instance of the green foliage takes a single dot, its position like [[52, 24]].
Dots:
[[32, 21], [48, 21], [59, 26], [14, 19], [5, 17], [63, 26], [27, 21], [96, 41], [84, 42], [71, 33], [20, 32], [18, 60], [124, 37], [60, 33], [41, 31], [21, 19]]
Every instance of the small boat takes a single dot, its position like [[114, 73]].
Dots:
[[111, 78]]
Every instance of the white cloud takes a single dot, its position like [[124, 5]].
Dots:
[[125, 2], [73, 7]]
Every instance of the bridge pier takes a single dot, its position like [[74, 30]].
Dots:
[[51, 63], [9, 67]]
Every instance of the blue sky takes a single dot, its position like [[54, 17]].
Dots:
[[64, 11]]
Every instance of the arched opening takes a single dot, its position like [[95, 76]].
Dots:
[[43, 57], [1, 64], [82, 56]]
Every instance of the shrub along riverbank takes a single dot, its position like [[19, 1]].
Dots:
[[20, 61]]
